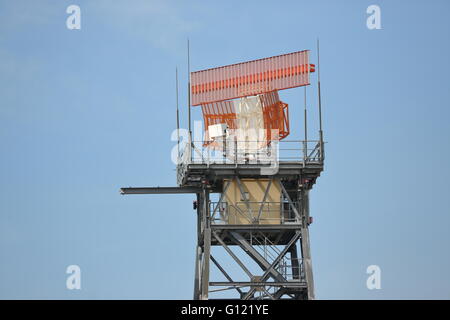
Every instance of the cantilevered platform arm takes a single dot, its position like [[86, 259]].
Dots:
[[160, 190]]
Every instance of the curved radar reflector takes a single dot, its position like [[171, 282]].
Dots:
[[249, 123], [250, 133]]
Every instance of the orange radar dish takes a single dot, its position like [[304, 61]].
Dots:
[[251, 78], [274, 112]]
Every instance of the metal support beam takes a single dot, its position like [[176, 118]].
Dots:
[[243, 196], [295, 262], [266, 193], [222, 194], [305, 246], [198, 262], [198, 250], [159, 190], [231, 253], [263, 263], [274, 263], [224, 273], [291, 204], [205, 264], [258, 284], [206, 245]]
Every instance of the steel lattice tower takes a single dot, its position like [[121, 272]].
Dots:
[[261, 208]]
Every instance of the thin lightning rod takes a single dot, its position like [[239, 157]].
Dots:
[[178, 113], [320, 101], [318, 86], [189, 99], [305, 145]]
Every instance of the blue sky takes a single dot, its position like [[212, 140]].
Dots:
[[85, 112]]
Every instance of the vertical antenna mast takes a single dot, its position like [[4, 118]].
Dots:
[[320, 102], [178, 113], [305, 144], [189, 100]]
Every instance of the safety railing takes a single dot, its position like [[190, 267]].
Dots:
[[291, 268], [252, 212], [252, 152]]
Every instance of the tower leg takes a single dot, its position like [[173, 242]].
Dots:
[[306, 250], [198, 252], [205, 238], [198, 263], [205, 269]]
